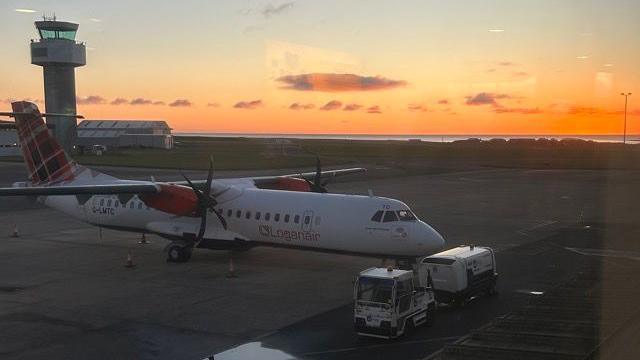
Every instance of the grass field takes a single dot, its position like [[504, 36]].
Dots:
[[251, 153]]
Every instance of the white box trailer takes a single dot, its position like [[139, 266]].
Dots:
[[460, 273]]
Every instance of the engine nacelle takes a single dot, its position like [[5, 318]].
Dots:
[[289, 184], [173, 199]]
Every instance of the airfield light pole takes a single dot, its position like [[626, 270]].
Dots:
[[626, 97]]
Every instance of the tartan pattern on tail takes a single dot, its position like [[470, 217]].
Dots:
[[46, 160]]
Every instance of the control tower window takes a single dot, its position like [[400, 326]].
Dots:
[[57, 34]]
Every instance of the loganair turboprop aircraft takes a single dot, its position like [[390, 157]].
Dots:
[[292, 211]]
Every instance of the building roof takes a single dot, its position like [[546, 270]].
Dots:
[[122, 124]]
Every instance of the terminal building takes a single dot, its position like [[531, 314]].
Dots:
[[124, 133]]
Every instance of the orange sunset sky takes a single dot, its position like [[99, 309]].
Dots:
[[351, 67]]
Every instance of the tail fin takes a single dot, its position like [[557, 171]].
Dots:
[[46, 160]]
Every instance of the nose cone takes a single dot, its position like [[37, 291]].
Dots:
[[431, 239]]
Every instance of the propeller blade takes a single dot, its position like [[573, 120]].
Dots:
[[188, 181], [207, 190], [203, 226], [221, 218], [316, 180]]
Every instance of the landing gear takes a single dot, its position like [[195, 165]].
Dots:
[[178, 253]]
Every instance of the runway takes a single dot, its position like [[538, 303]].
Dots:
[[65, 293]]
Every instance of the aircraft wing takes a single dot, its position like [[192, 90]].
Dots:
[[139, 188], [265, 181]]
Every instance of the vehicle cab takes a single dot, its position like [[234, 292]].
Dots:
[[387, 303]]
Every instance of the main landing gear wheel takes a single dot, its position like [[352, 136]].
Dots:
[[178, 253]]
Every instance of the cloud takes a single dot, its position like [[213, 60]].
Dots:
[[520, 73], [28, 11], [213, 104], [158, 102], [524, 111], [298, 106], [443, 101], [506, 63], [249, 105], [119, 101], [95, 20], [141, 101], [590, 110], [90, 100], [331, 82], [352, 107], [270, 10], [375, 109], [485, 98], [417, 107], [181, 103], [331, 105]]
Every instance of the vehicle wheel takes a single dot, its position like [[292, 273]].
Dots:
[[177, 253]]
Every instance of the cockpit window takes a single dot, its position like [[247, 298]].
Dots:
[[377, 216], [406, 215], [390, 216]]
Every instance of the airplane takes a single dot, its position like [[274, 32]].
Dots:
[[289, 211]]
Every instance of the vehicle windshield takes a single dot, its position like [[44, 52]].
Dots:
[[375, 290]]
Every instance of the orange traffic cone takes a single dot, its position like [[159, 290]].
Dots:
[[130, 263], [232, 270], [14, 233]]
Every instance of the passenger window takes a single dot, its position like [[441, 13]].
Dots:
[[248, 215], [276, 217], [390, 216], [406, 215], [229, 212], [109, 202], [257, 215], [267, 216], [238, 213], [296, 219], [101, 202], [286, 218], [377, 216], [307, 220]]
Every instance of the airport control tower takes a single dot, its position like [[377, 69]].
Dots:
[[59, 53]]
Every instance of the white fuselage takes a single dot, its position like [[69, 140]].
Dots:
[[329, 222]]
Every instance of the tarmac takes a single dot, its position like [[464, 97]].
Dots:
[[565, 239]]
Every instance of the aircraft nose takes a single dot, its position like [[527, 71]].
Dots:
[[431, 238]]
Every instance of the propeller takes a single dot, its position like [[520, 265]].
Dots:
[[206, 201], [317, 185]]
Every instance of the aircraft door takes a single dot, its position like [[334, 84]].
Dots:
[[307, 220]]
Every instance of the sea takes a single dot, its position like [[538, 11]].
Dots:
[[410, 137]]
